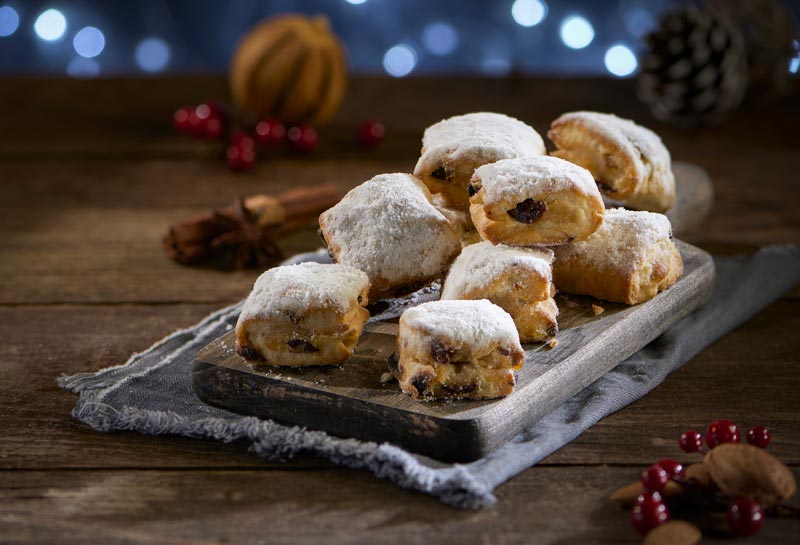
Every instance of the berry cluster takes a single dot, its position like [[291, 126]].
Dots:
[[212, 121], [744, 516]]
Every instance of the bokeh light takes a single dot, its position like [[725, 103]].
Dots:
[[440, 38], [50, 25], [495, 66], [152, 54], [400, 60], [81, 67], [620, 60], [576, 32], [528, 13], [89, 42], [356, 2], [9, 21]]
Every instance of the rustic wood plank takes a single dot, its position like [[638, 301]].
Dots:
[[748, 376], [556, 505]]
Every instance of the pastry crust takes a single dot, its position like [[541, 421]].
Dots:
[[535, 201], [629, 260], [453, 148], [457, 350], [459, 220], [388, 228], [629, 162], [518, 280], [306, 314]]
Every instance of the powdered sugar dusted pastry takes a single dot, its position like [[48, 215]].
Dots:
[[518, 280], [459, 220], [452, 149], [534, 201], [307, 314], [388, 228], [629, 162], [457, 349], [629, 259]]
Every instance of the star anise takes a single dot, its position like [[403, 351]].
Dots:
[[242, 232]]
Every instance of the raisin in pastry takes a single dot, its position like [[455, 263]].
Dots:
[[307, 314], [535, 201], [457, 349], [388, 228], [629, 162], [452, 149], [518, 280], [628, 260]]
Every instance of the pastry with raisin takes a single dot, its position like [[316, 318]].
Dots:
[[629, 162], [306, 314], [535, 201], [457, 350], [629, 259], [453, 148]]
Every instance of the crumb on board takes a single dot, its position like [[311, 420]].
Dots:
[[552, 343], [386, 377], [597, 309]]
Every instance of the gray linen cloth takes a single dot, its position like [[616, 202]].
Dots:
[[152, 392]]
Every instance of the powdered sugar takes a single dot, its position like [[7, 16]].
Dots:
[[298, 288], [521, 178], [490, 135], [623, 238], [478, 324], [484, 262], [388, 228]]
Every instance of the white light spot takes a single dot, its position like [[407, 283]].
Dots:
[[620, 60], [9, 21], [400, 60], [576, 32], [440, 38], [50, 25], [356, 2], [89, 42], [496, 67], [152, 54], [528, 12], [80, 67], [794, 65]]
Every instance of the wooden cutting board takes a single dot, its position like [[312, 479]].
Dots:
[[351, 401]]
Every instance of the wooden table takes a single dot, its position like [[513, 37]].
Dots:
[[92, 174]]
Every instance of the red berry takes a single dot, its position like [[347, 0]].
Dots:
[[655, 478], [180, 119], [673, 468], [758, 436], [242, 139], [212, 128], [240, 158], [270, 132], [302, 137], [691, 441], [648, 512], [721, 431], [370, 133], [745, 517]]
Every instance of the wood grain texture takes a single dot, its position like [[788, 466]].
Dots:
[[351, 401], [78, 200]]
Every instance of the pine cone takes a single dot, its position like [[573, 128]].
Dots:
[[768, 30], [695, 70]]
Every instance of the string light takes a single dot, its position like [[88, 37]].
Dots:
[[50, 25], [440, 38], [528, 13], [400, 60], [356, 2], [620, 60], [152, 54], [89, 42], [9, 21], [576, 32]]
